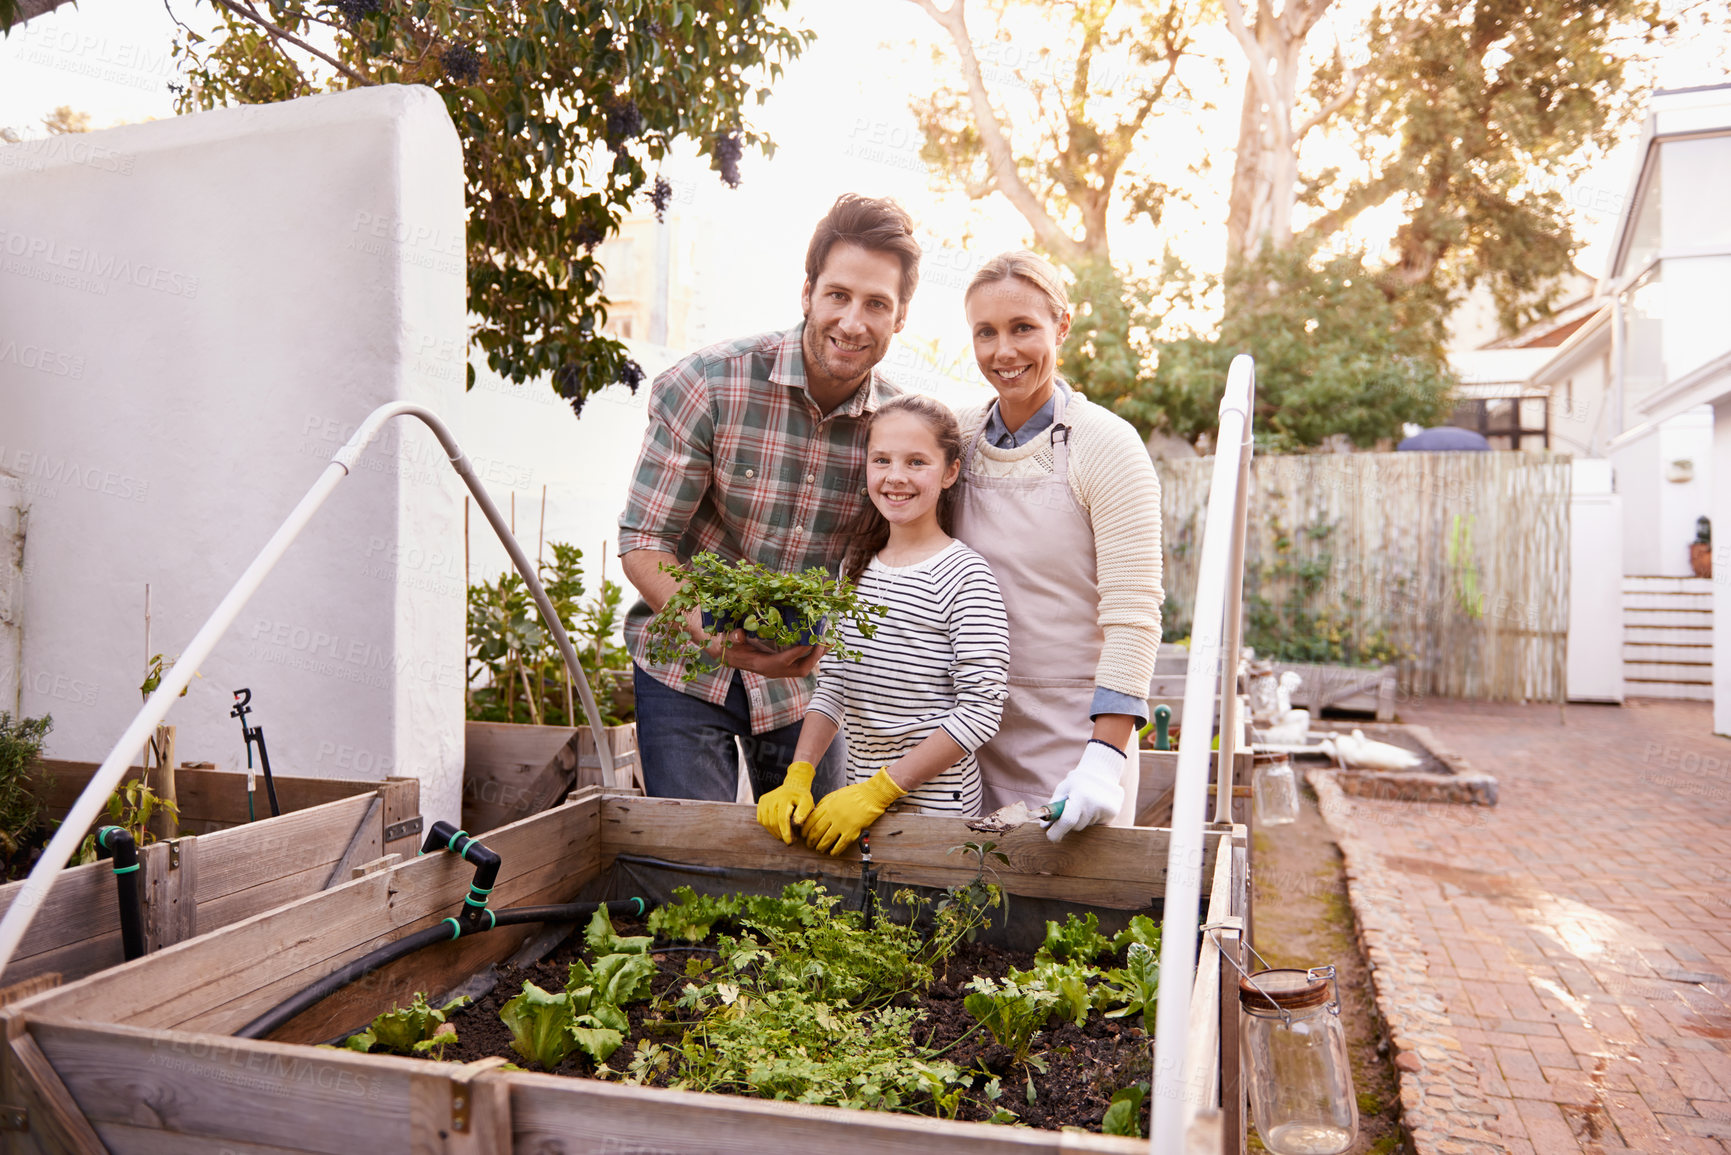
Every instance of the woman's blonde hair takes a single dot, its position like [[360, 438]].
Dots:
[[1023, 265]]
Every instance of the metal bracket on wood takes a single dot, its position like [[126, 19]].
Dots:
[[174, 854], [403, 829], [14, 1118], [459, 1107]]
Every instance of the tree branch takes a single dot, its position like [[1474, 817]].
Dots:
[[998, 151], [1257, 58], [247, 12]]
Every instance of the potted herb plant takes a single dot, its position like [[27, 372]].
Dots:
[[776, 610]]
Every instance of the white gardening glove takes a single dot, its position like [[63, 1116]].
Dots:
[[1092, 792]]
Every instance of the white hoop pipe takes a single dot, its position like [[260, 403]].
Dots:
[[1172, 1109], [89, 805]]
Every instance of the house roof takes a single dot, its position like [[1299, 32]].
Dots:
[[1498, 372], [1676, 112]]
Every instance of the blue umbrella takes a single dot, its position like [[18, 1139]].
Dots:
[[1444, 438]]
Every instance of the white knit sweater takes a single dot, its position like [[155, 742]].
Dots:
[[1114, 481]]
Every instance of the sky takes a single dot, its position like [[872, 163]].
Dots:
[[841, 121]]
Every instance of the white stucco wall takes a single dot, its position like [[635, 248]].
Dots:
[[1659, 515], [194, 314]]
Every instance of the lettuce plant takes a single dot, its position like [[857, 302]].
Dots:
[[416, 1029]]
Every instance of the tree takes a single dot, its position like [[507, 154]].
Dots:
[[1461, 111], [1085, 101], [560, 107]]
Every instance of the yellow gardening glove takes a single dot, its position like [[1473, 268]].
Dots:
[[836, 823], [787, 805]]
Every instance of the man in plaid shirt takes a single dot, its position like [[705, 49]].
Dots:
[[756, 451]]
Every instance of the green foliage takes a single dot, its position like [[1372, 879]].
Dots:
[[780, 609], [559, 108], [1075, 984], [1135, 987], [1012, 1011], [1337, 350], [1077, 939], [21, 742], [692, 916], [511, 647], [1124, 1116], [1142, 929], [1294, 610], [417, 1029], [545, 1029], [132, 807], [783, 1044], [601, 940]]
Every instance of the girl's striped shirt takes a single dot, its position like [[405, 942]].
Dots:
[[940, 658]]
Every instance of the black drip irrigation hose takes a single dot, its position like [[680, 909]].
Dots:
[[475, 918], [116, 842]]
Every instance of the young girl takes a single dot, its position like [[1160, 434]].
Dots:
[[932, 682]]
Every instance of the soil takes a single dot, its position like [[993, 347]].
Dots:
[[1302, 919], [1084, 1066]]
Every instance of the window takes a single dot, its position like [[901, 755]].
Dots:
[[1507, 422]]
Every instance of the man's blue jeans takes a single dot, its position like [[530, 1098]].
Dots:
[[686, 745]]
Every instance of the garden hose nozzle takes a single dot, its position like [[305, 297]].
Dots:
[[444, 836]]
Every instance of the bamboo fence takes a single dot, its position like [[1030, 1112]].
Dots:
[[1459, 559]]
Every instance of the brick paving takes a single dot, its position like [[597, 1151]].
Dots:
[[1556, 970]]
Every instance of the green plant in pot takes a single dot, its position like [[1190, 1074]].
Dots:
[[776, 610]]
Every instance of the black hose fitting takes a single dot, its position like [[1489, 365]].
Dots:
[[475, 915], [116, 842]]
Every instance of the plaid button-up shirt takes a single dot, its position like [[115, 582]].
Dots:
[[738, 460]]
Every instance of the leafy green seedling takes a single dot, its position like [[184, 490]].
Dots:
[[1142, 929], [600, 939], [545, 1028], [1078, 940], [1070, 982], [1124, 1116], [781, 609], [691, 916], [416, 1029], [1012, 1012], [1137, 985]]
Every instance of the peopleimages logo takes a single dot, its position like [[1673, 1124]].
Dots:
[[41, 358], [88, 262]]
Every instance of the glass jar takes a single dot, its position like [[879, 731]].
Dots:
[[1296, 1068], [1274, 789]]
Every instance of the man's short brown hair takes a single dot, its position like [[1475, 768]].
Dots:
[[877, 224]]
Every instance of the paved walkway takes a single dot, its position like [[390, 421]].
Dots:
[[1556, 971]]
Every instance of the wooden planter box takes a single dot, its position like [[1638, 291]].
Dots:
[[511, 771], [201, 882], [140, 1061]]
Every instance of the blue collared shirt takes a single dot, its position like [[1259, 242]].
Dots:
[[998, 435]]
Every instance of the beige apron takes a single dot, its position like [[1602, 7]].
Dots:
[[1040, 546]]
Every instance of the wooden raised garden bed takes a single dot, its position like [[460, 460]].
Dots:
[[511, 771], [204, 881], [141, 1059]]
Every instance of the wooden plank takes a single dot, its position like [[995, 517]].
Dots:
[[1119, 867], [170, 882], [245, 856], [364, 845], [1202, 1053], [125, 1139], [299, 1098], [384, 862], [208, 799], [402, 798], [555, 1116], [18, 992], [77, 926], [55, 1120], [512, 771], [222, 982]]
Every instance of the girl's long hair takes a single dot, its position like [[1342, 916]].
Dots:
[[872, 532]]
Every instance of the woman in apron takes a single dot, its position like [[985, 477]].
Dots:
[[1061, 498]]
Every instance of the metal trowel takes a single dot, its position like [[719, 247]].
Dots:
[[1006, 818]]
